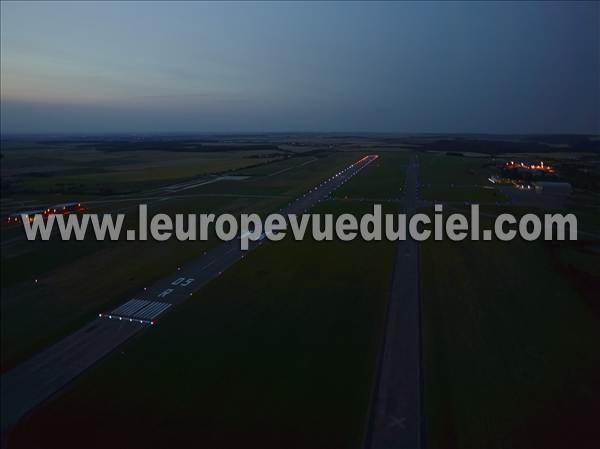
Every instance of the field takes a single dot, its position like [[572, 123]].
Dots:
[[51, 288], [77, 280], [509, 329], [454, 178], [509, 347], [304, 174], [381, 180], [92, 171], [281, 348]]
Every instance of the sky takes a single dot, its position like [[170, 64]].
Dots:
[[151, 67]]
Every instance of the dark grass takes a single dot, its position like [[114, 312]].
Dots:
[[274, 167], [382, 179], [292, 182], [453, 178], [510, 348], [278, 352], [79, 279]]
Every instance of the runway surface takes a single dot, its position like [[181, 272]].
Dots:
[[395, 414], [46, 373]]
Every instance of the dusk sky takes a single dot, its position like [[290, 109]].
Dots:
[[481, 67]]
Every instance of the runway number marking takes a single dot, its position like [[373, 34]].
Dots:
[[166, 292], [182, 282], [179, 282]]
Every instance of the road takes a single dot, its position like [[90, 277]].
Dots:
[[395, 414], [46, 373]]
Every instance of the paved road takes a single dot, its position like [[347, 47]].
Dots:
[[45, 374], [395, 415]]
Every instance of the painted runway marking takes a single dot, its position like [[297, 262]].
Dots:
[[207, 265], [138, 310]]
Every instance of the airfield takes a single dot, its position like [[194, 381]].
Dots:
[[292, 344], [45, 374]]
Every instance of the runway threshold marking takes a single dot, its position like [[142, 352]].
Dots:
[[138, 310]]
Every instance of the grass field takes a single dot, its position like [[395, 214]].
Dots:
[[281, 348], [477, 194], [454, 178], [292, 182], [382, 179], [85, 171], [510, 348], [280, 166], [76, 280]]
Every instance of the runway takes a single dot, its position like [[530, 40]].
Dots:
[[45, 374], [395, 413]]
